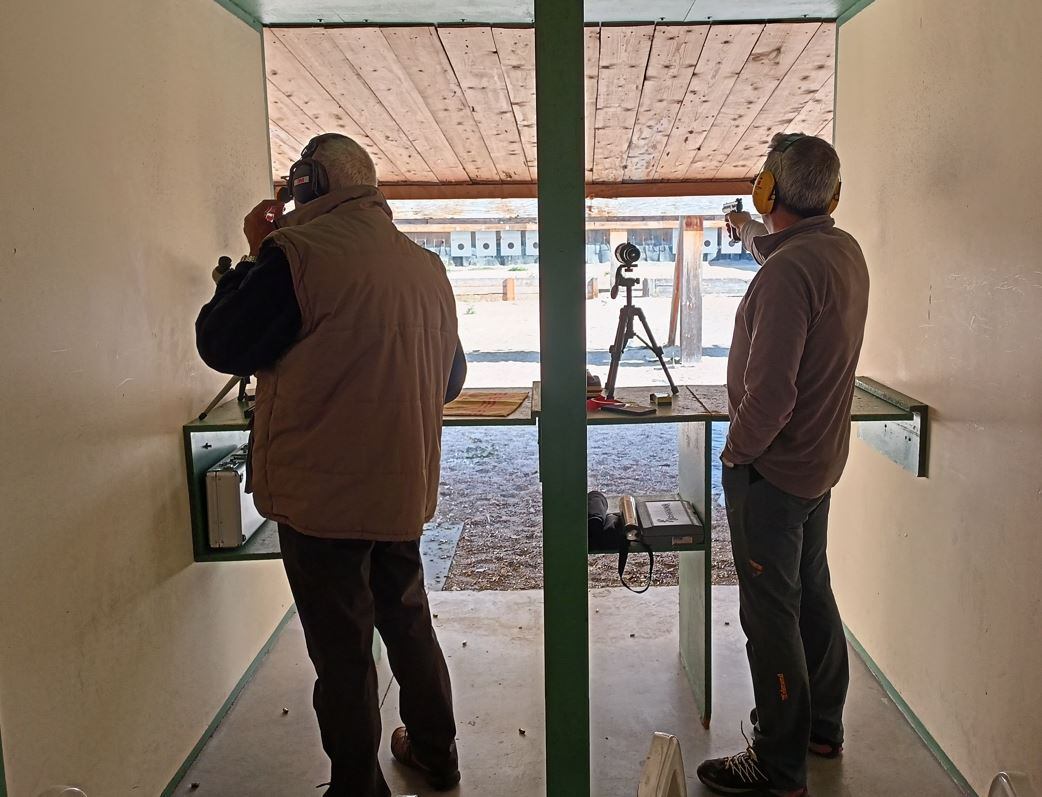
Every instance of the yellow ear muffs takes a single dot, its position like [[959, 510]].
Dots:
[[765, 187], [764, 192], [834, 203]]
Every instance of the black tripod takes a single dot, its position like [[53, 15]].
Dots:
[[628, 255]]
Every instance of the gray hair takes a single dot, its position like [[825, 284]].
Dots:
[[805, 174], [346, 163]]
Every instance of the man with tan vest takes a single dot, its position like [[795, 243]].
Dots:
[[351, 330]]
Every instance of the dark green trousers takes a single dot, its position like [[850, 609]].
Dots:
[[796, 647]]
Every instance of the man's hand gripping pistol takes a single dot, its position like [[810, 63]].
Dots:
[[733, 207]]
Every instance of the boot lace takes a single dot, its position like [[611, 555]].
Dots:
[[745, 765]]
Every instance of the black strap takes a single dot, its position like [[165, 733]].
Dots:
[[624, 552]]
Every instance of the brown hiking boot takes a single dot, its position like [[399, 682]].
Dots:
[[437, 779]]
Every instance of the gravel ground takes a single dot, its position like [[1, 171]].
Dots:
[[490, 483]]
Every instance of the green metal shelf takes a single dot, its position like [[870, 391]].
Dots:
[[207, 441], [226, 428], [264, 544]]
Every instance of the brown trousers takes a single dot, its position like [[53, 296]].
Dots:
[[343, 588]]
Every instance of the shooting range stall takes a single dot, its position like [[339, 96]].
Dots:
[[580, 117], [694, 409]]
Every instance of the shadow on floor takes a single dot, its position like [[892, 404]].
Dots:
[[637, 687]]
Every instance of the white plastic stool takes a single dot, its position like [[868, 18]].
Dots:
[[663, 773]]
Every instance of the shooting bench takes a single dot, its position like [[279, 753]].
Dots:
[[891, 422]]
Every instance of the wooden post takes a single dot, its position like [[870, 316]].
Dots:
[[591, 289], [509, 289], [695, 478], [678, 271], [691, 301]]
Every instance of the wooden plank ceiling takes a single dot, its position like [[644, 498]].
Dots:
[[449, 112]]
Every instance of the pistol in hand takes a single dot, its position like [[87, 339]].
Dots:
[[732, 207]]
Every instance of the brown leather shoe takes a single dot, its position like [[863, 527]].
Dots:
[[401, 749]]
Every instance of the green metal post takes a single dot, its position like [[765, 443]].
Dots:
[[559, 42]]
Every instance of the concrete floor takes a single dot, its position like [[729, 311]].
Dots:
[[637, 687]]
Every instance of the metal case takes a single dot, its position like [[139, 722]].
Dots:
[[231, 515], [672, 521]]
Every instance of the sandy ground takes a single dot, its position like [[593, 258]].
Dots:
[[502, 338], [490, 479]]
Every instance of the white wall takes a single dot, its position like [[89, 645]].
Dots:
[[939, 125], [133, 140]]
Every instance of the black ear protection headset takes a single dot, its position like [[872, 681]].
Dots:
[[307, 177], [765, 189]]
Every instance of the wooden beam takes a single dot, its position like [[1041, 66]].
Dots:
[[778, 48], [675, 50], [623, 61], [516, 47], [475, 60], [378, 65], [796, 90], [593, 55], [669, 188], [408, 225], [519, 190], [726, 49], [473, 225], [653, 223], [459, 191], [421, 55]]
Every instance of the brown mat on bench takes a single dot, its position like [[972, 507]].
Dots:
[[486, 404]]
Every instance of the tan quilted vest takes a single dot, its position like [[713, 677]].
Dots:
[[347, 425]]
